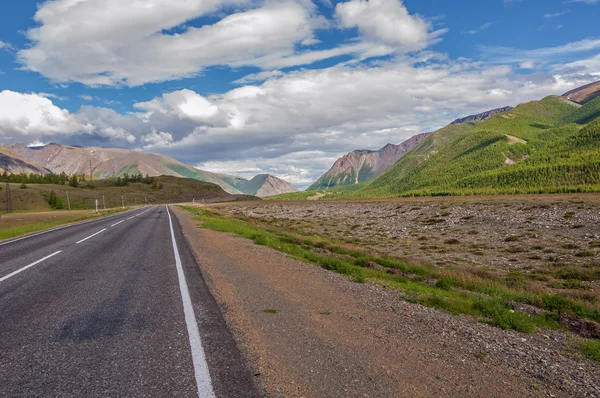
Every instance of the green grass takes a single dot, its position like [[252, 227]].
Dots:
[[12, 232], [591, 349], [175, 190], [482, 296], [271, 311]]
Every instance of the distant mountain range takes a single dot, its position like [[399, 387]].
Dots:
[[109, 162]]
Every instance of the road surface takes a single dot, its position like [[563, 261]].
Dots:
[[113, 307]]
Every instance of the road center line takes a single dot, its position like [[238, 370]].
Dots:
[[131, 217], [91, 236], [117, 223], [28, 266], [203, 381]]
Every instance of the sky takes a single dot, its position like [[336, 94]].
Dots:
[[282, 87]]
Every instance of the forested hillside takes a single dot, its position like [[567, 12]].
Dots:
[[552, 145]]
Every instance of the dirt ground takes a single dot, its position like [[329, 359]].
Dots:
[[331, 337], [537, 236]]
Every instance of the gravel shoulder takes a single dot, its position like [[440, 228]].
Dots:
[[333, 337]]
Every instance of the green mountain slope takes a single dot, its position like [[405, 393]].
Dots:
[[536, 147]]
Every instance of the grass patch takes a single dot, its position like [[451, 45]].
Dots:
[[591, 349], [271, 311], [19, 230], [476, 292]]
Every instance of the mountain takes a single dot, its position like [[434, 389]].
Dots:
[[551, 145], [584, 94], [482, 116], [364, 165], [267, 185], [108, 162], [17, 164]]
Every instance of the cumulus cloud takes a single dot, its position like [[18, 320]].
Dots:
[[385, 20], [34, 115], [96, 42]]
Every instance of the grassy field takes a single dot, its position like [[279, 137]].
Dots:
[[480, 294], [17, 224], [34, 197]]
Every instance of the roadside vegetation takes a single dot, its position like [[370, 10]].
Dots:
[[15, 225], [51, 193], [485, 296]]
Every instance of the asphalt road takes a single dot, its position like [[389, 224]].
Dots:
[[116, 307]]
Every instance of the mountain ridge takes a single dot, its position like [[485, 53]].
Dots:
[[482, 116], [364, 165], [102, 162], [264, 185]]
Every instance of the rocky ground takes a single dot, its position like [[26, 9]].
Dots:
[[329, 336], [553, 240]]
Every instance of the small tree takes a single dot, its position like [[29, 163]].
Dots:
[[73, 181], [23, 186], [52, 199]]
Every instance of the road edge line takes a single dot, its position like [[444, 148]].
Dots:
[[203, 380]]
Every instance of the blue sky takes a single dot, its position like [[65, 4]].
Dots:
[[283, 87]]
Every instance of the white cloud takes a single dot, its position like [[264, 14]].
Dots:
[[480, 29], [96, 42], [502, 55], [556, 14], [5, 46], [527, 65], [48, 95], [158, 138], [33, 115], [385, 20], [298, 168], [86, 97]]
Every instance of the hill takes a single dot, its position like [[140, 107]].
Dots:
[[364, 165], [535, 147], [264, 185], [168, 189], [115, 162], [109, 162], [584, 94], [17, 163]]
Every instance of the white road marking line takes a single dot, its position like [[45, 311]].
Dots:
[[203, 381], [91, 236], [28, 266], [131, 217], [117, 223]]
